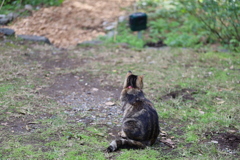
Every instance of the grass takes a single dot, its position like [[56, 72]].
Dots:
[[34, 126]]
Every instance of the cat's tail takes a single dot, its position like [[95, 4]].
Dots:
[[125, 143]]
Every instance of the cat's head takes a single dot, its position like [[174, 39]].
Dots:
[[133, 81]]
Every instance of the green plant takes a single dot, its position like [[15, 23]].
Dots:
[[124, 35], [220, 18], [33, 2], [187, 23], [7, 6]]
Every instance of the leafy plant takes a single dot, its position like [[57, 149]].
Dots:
[[187, 23], [33, 2], [220, 18]]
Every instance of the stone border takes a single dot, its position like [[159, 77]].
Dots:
[[11, 32]]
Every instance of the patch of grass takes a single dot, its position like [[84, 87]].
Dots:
[[35, 126]]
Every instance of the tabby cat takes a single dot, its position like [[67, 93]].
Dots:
[[140, 127]]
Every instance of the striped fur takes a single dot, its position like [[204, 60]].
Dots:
[[140, 127]]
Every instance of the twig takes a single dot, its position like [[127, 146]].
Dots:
[[2, 4]]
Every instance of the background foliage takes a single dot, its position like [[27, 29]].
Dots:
[[179, 23], [33, 2], [192, 23]]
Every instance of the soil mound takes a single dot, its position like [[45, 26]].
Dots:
[[73, 22]]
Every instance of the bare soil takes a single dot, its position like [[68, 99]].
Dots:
[[227, 142], [185, 94], [73, 22]]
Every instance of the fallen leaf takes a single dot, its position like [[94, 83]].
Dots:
[[201, 112], [27, 128], [100, 134], [4, 124], [220, 102], [110, 103], [168, 142], [214, 142], [163, 133], [232, 131], [21, 112], [111, 134], [95, 89]]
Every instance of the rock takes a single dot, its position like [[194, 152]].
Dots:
[[121, 19], [7, 31], [111, 34], [111, 26], [35, 38], [110, 103], [95, 89], [12, 16], [2, 16], [28, 7], [4, 21], [38, 7]]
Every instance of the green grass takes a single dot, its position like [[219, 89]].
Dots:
[[35, 126]]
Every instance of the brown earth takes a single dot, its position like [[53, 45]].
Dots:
[[85, 97], [228, 142], [73, 22]]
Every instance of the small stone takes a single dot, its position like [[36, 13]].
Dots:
[[110, 103], [2, 16], [7, 31], [12, 16], [34, 38], [121, 18], [111, 34], [38, 7], [111, 26], [28, 7], [4, 21], [95, 89]]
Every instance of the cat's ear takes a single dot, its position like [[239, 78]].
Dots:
[[125, 81], [129, 73], [139, 82]]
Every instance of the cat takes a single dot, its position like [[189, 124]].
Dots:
[[140, 125]]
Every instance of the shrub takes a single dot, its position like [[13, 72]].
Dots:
[[33, 2], [221, 18]]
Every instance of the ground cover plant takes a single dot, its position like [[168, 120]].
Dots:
[[186, 23], [8, 6], [63, 103]]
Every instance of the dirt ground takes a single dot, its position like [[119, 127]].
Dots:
[[73, 22], [92, 99], [83, 92]]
